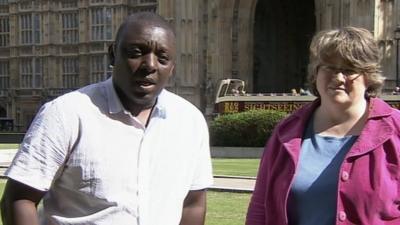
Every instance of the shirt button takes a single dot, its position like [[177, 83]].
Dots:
[[345, 176], [342, 216]]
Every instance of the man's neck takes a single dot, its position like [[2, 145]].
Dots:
[[144, 116], [141, 112]]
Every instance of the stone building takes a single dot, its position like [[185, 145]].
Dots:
[[49, 47]]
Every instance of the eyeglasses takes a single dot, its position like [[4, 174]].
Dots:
[[335, 70]]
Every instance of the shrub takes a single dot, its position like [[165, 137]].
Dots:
[[246, 129]]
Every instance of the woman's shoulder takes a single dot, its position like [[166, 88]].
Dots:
[[300, 115], [395, 119]]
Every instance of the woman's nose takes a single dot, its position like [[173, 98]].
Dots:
[[338, 75]]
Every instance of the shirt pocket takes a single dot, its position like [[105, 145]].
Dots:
[[389, 193]]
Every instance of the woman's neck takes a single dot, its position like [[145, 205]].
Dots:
[[330, 120]]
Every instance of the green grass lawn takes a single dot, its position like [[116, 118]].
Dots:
[[9, 146], [224, 208], [2, 184], [235, 167], [232, 167]]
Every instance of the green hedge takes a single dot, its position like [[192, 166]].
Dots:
[[246, 129]]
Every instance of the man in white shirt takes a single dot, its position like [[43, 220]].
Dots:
[[120, 152]]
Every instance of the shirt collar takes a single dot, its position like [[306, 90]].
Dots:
[[115, 106], [378, 108], [160, 108]]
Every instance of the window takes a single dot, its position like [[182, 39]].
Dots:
[[31, 73], [69, 4], [4, 31], [4, 75], [147, 8], [4, 9], [70, 25], [99, 68], [101, 24], [25, 5], [142, 6], [148, 1], [3, 2], [70, 73], [30, 29]]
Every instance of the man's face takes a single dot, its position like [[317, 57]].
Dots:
[[144, 61]]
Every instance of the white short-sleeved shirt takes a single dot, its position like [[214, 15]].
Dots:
[[100, 165]]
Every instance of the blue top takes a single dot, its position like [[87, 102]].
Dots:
[[313, 195]]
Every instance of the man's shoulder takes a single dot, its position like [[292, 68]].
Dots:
[[81, 94], [179, 109], [173, 101], [78, 102]]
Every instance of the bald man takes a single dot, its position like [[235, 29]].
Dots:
[[124, 151]]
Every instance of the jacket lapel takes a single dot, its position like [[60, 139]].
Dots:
[[377, 129]]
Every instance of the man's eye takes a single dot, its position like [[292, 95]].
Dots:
[[133, 53], [163, 59]]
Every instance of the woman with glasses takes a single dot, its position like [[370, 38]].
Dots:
[[336, 160]]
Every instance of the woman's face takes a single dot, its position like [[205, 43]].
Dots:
[[340, 85]]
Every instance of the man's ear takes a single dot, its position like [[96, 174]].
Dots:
[[172, 71], [111, 55]]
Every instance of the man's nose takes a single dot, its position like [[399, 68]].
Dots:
[[149, 62]]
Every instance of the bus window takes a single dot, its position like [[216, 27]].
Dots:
[[223, 90]]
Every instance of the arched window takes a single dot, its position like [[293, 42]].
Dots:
[[3, 111]]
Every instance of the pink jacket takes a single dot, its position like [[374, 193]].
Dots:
[[369, 179]]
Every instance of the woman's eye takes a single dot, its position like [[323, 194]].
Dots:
[[349, 72]]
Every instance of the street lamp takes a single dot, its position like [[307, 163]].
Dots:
[[397, 38]]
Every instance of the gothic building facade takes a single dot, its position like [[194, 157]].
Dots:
[[49, 47]]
